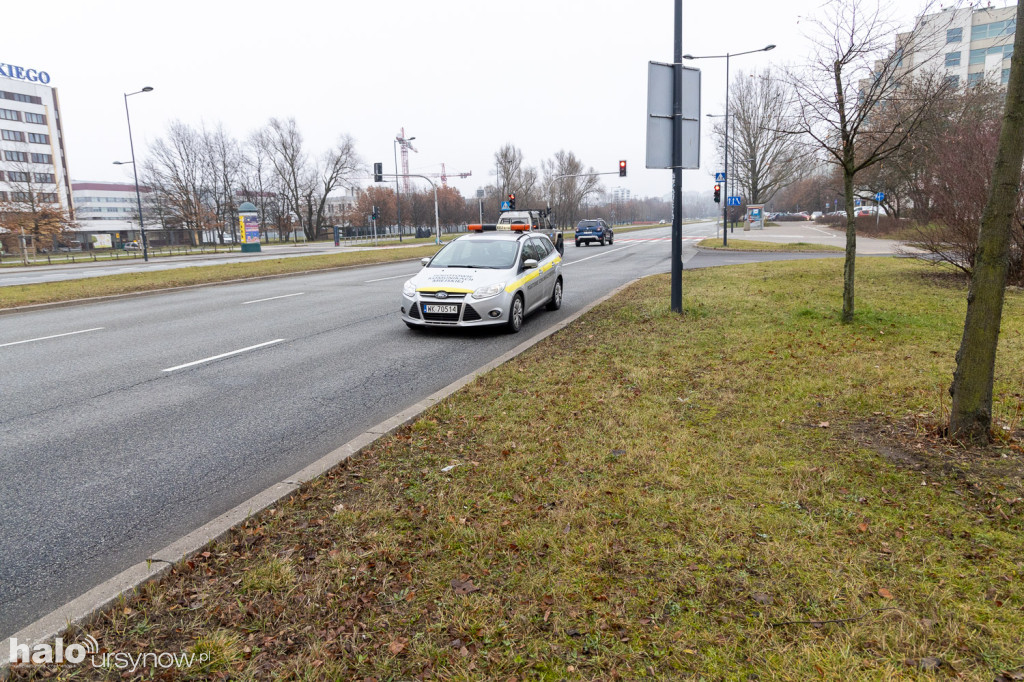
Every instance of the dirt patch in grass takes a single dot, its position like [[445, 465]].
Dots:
[[643, 495], [751, 245]]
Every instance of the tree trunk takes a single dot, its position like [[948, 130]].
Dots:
[[851, 248], [971, 414]]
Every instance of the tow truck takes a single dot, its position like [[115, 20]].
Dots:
[[538, 219]]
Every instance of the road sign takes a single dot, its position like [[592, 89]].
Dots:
[[733, 201], [880, 196], [719, 177], [504, 206], [660, 96], [856, 202]]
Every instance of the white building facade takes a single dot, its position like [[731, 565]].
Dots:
[[33, 157], [971, 44]]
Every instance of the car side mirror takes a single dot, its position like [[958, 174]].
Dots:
[[424, 261], [530, 263]]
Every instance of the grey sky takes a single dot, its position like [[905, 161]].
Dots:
[[462, 76]]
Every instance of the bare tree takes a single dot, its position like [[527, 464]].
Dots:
[[174, 172], [257, 182], [222, 163], [31, 211], [765, 159], [971, 413], [514, 177], [570, 184], [853, 101], [331, 171]]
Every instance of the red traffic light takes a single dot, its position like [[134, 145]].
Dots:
[[718, 188], [622, 169]]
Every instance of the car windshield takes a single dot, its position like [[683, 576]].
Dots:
[[477, 253], [588, 223]]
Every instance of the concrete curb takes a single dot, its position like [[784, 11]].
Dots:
[[81, 610], [153, 292]]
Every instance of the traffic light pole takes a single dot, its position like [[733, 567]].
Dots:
[[725, 164], [677, 163], [379, 177]]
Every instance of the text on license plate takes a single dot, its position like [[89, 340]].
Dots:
[[453, 309]]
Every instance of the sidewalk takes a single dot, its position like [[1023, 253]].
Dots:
[[812, 233]]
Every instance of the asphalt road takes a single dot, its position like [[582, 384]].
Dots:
[[124, 425]]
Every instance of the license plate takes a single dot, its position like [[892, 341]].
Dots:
[[452, 309]]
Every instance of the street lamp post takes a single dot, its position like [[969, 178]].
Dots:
[[135, 171], [725, 162], [398, 195]]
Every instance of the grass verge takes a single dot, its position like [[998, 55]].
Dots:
[[749, 490], [69, 290], [749, 245]]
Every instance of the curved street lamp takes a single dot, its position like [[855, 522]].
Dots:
[[725, 162], [135, 170]]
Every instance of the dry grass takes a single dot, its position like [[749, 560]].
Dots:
[[694, 499], [70, 290]]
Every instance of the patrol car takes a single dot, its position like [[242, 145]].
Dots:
[[495, 277]]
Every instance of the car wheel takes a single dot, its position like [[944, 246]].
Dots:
[[556, 296], [577, 243], [515, 315], [601, 241], [611, 240]]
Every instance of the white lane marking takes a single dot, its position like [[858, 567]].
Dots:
[[55, 336], [273, 298], [223, 355], [371, 281], [603, 253], [827, 234]]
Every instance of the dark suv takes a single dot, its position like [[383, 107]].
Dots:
[[593, 230]]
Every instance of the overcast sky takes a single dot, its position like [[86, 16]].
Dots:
[[462, 76]]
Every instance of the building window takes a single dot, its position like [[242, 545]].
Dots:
[[15, 156], [13, 135], [10, 115], [50, 197], [1, 176], [994, 30], [954, 35], [978, 56], [18, 97], [19, 196], [952, 59], [35, 118], [42, 158], [975, 78], [39, 138], [44, 177], [3, 196], [17, 176], [1005, 78], [953, 81]]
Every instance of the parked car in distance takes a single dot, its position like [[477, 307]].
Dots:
[[132, 246], [816, 214], [593, 230]]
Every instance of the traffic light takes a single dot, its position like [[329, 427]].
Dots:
[[718, 194], [622, 169], [376, 213], [378, 172], [512, 202]]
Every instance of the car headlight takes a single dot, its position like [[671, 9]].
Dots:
[[409, 289], [489, 290]]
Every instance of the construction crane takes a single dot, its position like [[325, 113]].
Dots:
[[406, 144], [444, 175]]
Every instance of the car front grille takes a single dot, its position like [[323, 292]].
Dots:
[[450, 297], [414, 312], [470, 314]]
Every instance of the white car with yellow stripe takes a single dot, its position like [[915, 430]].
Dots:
[[485, 278]]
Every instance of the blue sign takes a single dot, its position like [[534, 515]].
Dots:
[[856, 202], [31, 75], [880, 196], [734, 201], [504, 206], [719, 177]]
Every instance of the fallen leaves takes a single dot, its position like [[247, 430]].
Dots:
[[463, 587]]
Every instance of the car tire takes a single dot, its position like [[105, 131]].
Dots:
[[611, 240], [516, 313], [577, 243], [556, 296], [601, 241]]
